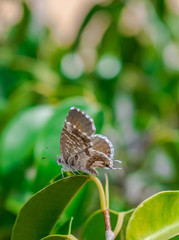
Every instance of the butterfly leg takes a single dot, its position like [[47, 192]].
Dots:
[[68, 169], [64, 170], [71, 161], [76, 170], [90, 171]]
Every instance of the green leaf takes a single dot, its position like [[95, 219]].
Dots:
[[52, 130], [175, 238], [122, 233], [94, 227], [99, 121], [53, 237], [20, 134], [6, 222], [157, 218], [39, 215], [79, 208]]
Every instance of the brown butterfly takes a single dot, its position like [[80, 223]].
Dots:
[[81, 148]]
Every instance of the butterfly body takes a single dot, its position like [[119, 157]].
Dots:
[[81, 148]]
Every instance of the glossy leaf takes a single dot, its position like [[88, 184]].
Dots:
[[20, 134], [157, 218], [39, 215], [79, 208]]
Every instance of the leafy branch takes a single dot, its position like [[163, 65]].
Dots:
[[39, 215]]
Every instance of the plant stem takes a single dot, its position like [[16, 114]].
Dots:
[[109, 233], [69, 236], [119, 223], [107, 191], [101, 192], [104, 202], [69, 230]]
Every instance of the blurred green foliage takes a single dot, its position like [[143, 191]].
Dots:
[[122, 68]]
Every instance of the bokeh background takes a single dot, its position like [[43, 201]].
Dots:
[[116, 60]]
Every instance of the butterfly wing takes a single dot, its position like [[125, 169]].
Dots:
[[72, 141], [96, 160], [81, 120], [102, 144], [80, 148]]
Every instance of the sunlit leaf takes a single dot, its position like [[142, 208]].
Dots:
[[157, 218]]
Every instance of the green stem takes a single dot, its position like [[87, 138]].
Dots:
[[101, 192], [107, 191], [119, 223], [120, 220], [104, 202], [69, 236], [69, 230], [126, 212]]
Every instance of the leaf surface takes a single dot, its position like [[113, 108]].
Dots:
[[94, 227], [20, 134], [157, 218], [39, 215]]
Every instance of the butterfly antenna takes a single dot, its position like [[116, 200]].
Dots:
[[113, 168], [118, 161], [47, 157], [51, 150]]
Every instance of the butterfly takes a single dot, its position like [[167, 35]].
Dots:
[[82, 149]]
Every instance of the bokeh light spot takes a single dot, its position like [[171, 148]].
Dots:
[[72, 66], [171, 56], [108, 66]]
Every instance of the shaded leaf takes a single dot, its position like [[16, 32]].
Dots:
[[20, 134], [94, 227], [38, 216]]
